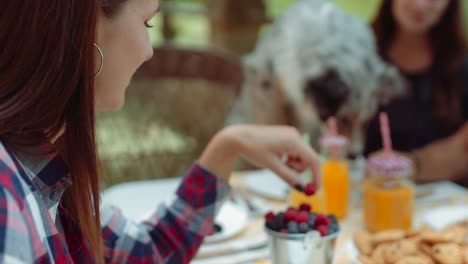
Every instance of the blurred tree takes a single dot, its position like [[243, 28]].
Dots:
[[465, 15], [181, 23], [235, 24], [168, 30]]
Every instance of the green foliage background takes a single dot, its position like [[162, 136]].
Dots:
[[193, 30]]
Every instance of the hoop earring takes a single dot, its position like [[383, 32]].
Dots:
[[101, 54]]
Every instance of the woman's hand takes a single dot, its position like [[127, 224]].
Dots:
[[279, 148]]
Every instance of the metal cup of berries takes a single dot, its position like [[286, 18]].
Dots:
[[299, 236]]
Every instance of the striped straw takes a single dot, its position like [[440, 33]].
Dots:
[[385, 133], [332, 127]]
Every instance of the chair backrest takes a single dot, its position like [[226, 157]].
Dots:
[[175, 103], [178, 63], [194, 90]]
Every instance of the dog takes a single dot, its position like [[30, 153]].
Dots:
[[314, 62]]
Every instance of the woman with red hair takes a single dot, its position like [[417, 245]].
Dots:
[[60, 62]]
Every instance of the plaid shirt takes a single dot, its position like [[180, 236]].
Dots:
[[34, 228]]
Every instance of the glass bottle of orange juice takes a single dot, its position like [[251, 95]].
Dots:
[[335, 174], [388, 193]]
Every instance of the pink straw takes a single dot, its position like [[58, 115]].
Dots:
[[385, 133], [332, 127]]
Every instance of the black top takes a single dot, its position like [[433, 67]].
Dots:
[[412, 121]]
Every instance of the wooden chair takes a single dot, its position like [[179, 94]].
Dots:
[[176, 102]]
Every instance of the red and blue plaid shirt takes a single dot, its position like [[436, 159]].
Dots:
[[35, 229]]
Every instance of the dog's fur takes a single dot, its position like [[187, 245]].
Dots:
[[316, 61]]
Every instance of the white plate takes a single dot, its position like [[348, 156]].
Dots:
[[441, 217], [267, 183], [232, 218], [139, 199]]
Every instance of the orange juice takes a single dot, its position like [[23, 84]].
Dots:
[[335, 180], [387, 207], [388, 193], [296, 198]]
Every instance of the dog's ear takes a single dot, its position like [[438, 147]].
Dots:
[[391, 85]]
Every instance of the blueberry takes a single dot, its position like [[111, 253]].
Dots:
[[333, 219], [333, 228], [303, 228], [299, 187], [293, 227], [312, 220], [217, 228]]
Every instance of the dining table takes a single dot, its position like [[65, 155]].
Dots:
[[251, 244], [428, 197]]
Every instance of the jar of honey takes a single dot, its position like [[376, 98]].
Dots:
[[388, 193]]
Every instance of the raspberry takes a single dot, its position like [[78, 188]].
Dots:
[[310, 189], [322, 219], [302, 217], [322, 230], [305, 207], [269, 216], [289, 216], [290, 208]]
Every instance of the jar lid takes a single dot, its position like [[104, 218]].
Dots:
[[390, 164], [334, 141]]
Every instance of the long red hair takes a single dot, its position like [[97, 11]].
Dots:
[[47, 73], [448, 43]]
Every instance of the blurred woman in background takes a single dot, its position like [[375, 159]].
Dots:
[[425, 40]]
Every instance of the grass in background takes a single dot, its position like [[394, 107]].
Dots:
[[193, 30]]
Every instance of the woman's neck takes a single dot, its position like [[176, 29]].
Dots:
[[411, 52]]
